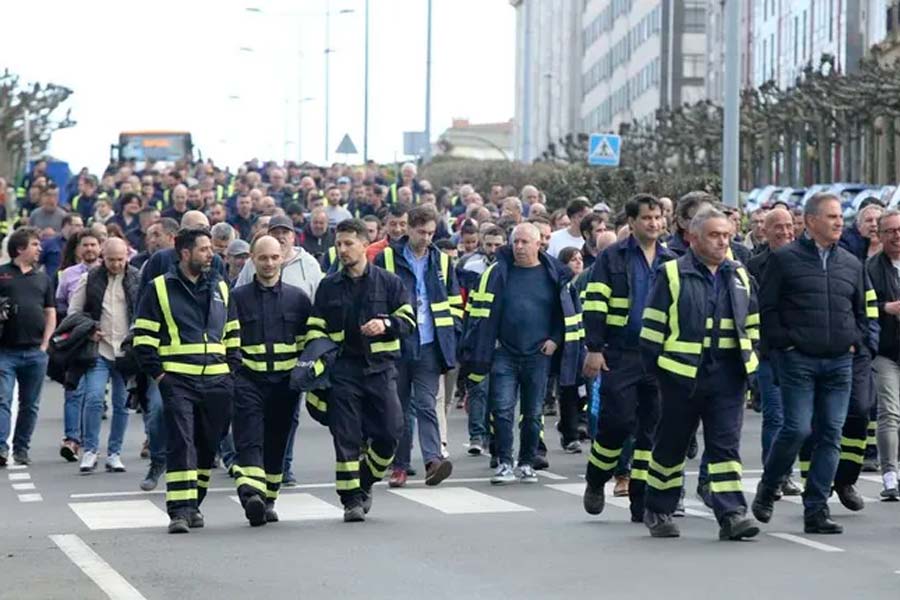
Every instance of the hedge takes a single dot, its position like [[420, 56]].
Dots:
[[563, 182]]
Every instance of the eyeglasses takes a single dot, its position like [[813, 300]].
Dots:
[[889, 232]]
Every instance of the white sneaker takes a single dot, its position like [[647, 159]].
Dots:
[[526, 474], [114, 464], [88, 462], [503, 475], [890, 493]]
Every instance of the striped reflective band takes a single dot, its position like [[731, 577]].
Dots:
[[188, 369], [146, 324], [180, 349], [391, 346], [145, 340]]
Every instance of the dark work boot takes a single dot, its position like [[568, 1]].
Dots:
[[764, 503], [821, 522], [594, 499], [737, 526], [195, 520], [271, 515], [255, 511], [849, 497], [660, 525]]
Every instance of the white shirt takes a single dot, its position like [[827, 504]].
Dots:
[[113, 315], [561, 239]]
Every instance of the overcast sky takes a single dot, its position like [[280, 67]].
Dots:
[[168, 64]]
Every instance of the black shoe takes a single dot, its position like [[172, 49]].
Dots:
[[179, 525], [437, 471], [660, 525], [764, 503], [790, 488], [692, 448], [704, 494], [410, 472], [821, 522], [850, 498], [271, 515], [593, 500], [4, 456], [255, 511], [288, 481], [153, 474], [540, 463], [354, 514], [21, 457], [195, 520], [637, 518], [737, 527], [495, 462]]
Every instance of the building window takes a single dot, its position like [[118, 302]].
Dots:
[[694, 18], [694, 65]]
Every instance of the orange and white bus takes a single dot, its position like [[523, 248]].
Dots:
[[153, 146]]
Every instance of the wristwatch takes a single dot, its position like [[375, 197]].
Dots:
[[387, 323]]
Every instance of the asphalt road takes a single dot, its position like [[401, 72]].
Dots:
[[68, 536]]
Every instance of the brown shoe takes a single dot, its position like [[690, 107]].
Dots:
[[69, 450], [437, 471], [621, 488]]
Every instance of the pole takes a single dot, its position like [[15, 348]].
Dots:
[[27, 140], [327, 72], [366, 93], [427, 155], [731, 130]]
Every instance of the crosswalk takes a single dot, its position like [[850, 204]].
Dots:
[[455, 499]]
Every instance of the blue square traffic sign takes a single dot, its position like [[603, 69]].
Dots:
[[604, 150]]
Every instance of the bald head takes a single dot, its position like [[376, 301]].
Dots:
[[115, 255], [526, 242], [194, 219], [267, 259], [778, 228]]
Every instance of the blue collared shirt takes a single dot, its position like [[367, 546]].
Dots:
[[642, 278], [423, 306]]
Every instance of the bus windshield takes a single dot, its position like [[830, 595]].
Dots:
[[169, 146]]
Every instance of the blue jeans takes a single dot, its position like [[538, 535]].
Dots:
[[529, 375], [772, 405], [226, 449], [816, 393], [28, 367], [72, 412], [94, 382], [417, 386], [478, 405], [155, 426], [289, 450]]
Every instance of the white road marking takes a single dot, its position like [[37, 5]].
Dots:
[[302, 507], [549, 475], [91, 564], [19, 476], [126, 514], [788, 537], [460, 500], [16, 467], [21, 487], [30, 498]]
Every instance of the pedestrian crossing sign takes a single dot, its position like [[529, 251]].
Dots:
[[604, 150]]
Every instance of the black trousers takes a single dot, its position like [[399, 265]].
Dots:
[[197, 411], [630, 406], [362, 408], [719, 403], [263, 416], [855, 433]]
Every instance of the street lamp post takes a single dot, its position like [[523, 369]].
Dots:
[[428, 89], [731, 130], [328, 51]]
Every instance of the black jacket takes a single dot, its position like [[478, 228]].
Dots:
[[886, 284], [317, 246], [853, 242], [821, 312], [97, 282], [72, 352]]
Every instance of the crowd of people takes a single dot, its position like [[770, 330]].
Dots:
[[211, 302]]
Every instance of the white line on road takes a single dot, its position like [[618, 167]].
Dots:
[[129, 514], [19, 476], [549, 475], [107, 579], [30, 498], [460, 500], [21, 487], [788, 537], [16, 467]]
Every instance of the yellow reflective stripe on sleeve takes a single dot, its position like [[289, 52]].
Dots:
[[175, 350], [145, 340], [232, 342], [223, 288], [719, 487], [676, 367], [456, 312], [595, 306], [389, 259], [404, 309], [315, 334], [146, 324], [313, 400], [683, 347], [476, 378], [746, 344], [232, 326], [481, 297], [619, 302], [599, 287], [281, 348], [724, 343], [454, 299], [315, 322], [255, 349], [254, 365], [726, 324], [162, 296], [871, 296], [318, 367], [572, 336], [753, 333], [336, 336], [653, 314], [872, 312], [188, 369], [284, 365], [445, 266], [573, 320], [443, 322], [438, 306], [730, 466], [478, 313], [179, 476], [752, 319], [393, 345], [617, 320], [653, 336]]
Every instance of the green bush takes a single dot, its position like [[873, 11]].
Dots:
[[563, 182]]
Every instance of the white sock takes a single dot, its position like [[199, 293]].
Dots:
[[890, 480]]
